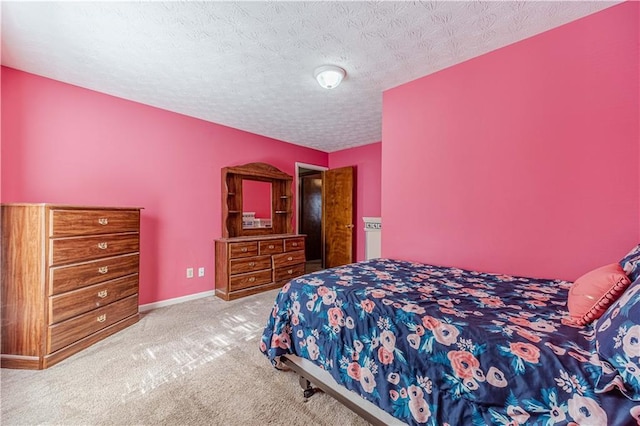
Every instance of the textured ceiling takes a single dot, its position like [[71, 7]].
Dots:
[[249, 65]]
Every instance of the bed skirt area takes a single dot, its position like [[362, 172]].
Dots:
[[323, 380]]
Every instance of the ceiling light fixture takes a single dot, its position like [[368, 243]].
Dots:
[[329, 76]]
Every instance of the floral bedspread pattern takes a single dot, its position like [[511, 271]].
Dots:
[[435, 345]]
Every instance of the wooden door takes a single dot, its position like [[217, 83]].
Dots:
[[337, 208]]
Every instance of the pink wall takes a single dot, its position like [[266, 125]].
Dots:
[[524, 160], [64, 144], [367, 160]]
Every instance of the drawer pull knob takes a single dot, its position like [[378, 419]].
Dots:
[[244, 249], [252, 264], [295, 244], [252, 279], [103, 221], [271, 246], [102, 318], [289, 258], [103, 269], [102, 294], [102, 246], [290, 271]]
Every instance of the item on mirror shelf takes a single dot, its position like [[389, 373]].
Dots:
[[248, 219], [262, 223]]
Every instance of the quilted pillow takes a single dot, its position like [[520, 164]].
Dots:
[[591, 294], [631, 263], [617, 339]]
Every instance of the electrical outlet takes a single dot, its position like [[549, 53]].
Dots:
[[201, 272], [189, 272]]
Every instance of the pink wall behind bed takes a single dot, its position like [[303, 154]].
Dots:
[[524, 160], [64, 144]]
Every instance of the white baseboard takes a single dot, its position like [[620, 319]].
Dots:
[[169, 302]]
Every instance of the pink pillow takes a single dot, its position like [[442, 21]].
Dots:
[[591, 294]]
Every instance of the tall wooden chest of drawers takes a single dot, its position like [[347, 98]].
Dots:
[[248, 265], [69, 279]]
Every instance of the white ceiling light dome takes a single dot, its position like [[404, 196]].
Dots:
[[329, 76]]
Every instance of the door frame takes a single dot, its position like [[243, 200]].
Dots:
[[298, 197], [297, 183]]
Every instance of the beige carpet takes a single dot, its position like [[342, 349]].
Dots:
[[195, 363]]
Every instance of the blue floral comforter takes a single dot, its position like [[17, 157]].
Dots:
[[435, 345]]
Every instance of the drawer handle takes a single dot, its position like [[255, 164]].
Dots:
[[103, 221], [103, 269], [294, 244], [102, 318], [244, 249], [290, 271], [102, 246], [252, 279], [289, 258], [271, 246], [102, 294], [252, 264]]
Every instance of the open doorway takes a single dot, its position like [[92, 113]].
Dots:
[[309, 213]]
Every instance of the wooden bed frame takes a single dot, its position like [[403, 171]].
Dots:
[[311, 373]]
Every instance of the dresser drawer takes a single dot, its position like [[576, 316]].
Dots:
[[67, 278], [68, 250], [238, 282], [249, 264], [293, 244], [288, 259], [88, 222], [71, 330], [287, 273], [70, 304], [243, 249], [271, 247]]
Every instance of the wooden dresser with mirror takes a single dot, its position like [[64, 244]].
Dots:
[[257, 251]]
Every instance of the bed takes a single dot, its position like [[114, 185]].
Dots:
[[437, 345]]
